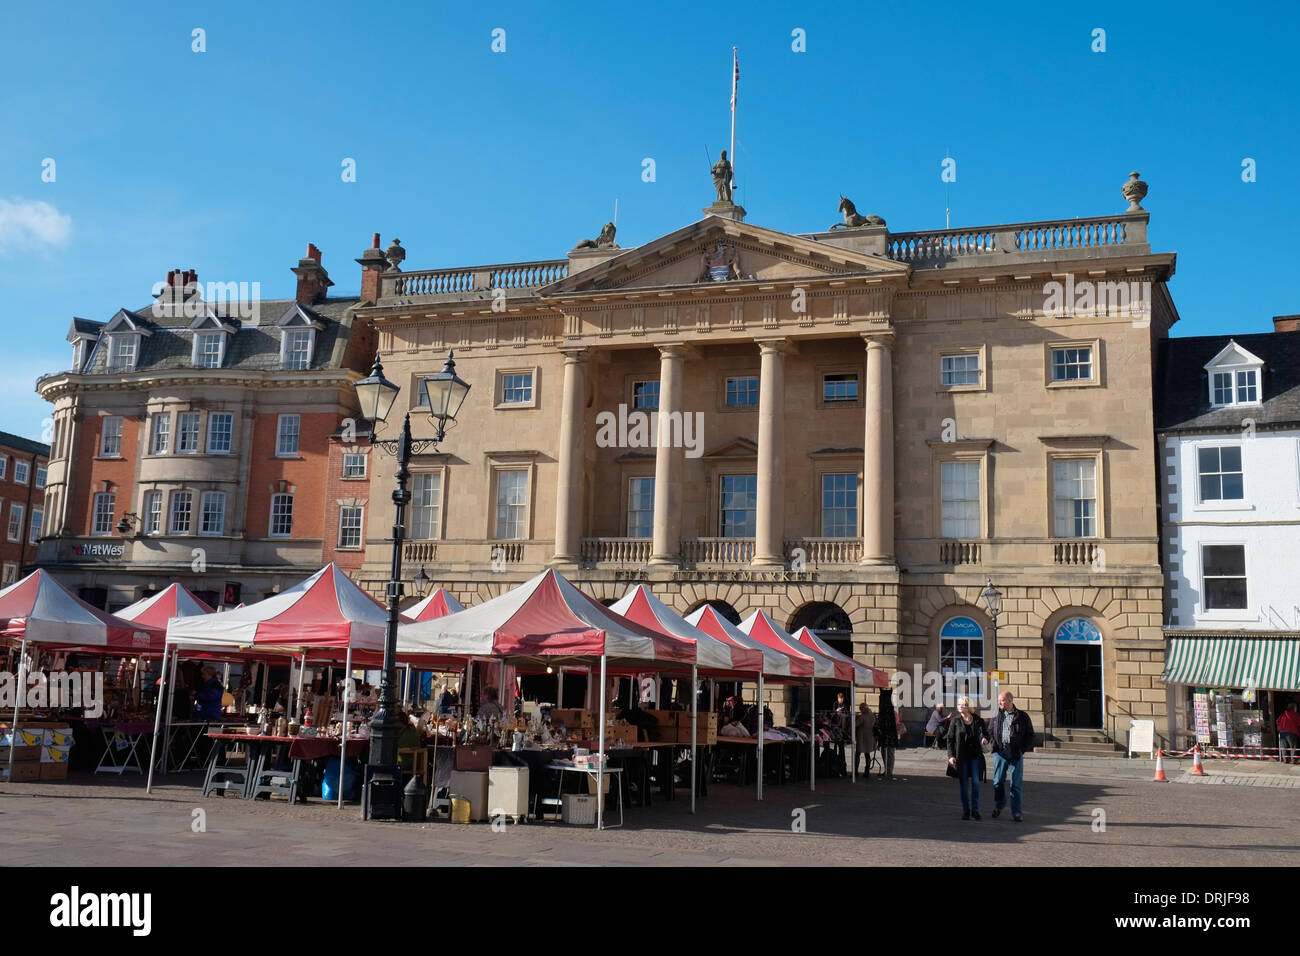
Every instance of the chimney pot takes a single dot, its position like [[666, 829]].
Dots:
[[313, 252], [1286, 323], [171, 277], [375, 243]]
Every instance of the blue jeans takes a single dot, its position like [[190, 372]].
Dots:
[[1000, 767], [968, 773]]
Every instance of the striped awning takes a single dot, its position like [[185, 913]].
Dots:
[[1267, 663]]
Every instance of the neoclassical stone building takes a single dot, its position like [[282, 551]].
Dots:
[[860, 428]]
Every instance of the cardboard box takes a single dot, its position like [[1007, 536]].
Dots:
[[21, 754], [24, 772], [54, 770], [705, 720], [626, 734], [665, 734], [474, 759]]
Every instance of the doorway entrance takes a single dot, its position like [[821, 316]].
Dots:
[[1078, 685]]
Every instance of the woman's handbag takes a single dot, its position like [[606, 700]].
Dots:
[[952, 771]]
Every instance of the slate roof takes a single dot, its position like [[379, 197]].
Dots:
[[251, 348], [1182, 388], [19, 443]]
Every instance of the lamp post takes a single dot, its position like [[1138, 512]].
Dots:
[[993, 603], [445, 392]]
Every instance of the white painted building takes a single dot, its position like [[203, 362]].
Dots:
[[1228, 424]]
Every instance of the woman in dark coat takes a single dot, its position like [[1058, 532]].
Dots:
[[966, 736], [887, 732]]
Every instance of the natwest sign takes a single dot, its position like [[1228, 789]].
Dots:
[[97, 550]]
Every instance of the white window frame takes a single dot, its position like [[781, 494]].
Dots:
[[289, 335], [1219, 504], [34, 526], [434, 531], [119, 342], [359, 529], [497, 504], [160, 438], [499, 394], [152, 520], [213, 417], [10, 573], [825, 402], [203, 512], [356, 456], [727, 391], [97, 512], [270, 530], [42, 476], [854, 494], [177, 496], [639, 383], [111, 424], [949, 372], [14, 532], [1231, 613], [4, 465], [722, 509], [195, 433], [631, 511], [22, 471], [1094, 364], [281, 433], [202, 356], [1096, 497], [944, 500], [527, 399]]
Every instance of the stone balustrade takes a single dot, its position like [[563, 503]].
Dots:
[[511, 276], [959, 552], [717, 551], [1090, 237], [624, 552], [824, 552]]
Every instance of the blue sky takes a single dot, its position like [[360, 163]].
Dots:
[[229, 161]]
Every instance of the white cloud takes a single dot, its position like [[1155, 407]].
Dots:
[[30, 225]]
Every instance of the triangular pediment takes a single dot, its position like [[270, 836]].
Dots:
[[738, 447], [718, 251], [296, 317], [127, 321], [1233, 354]]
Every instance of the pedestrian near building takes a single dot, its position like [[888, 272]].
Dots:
[[866, 738], [887, 733], [966, 737], [1288, 734], [1012, 734]]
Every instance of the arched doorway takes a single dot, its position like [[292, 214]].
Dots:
[[831, 623], [722, 607], [961, 659], [1079, 690]]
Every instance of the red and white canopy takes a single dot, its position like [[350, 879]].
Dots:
[[714, 657], [438, 604], [325, 611], [775, 663], [42, 610], [546, 616], [156, 611], [863, 675], [770, 634]]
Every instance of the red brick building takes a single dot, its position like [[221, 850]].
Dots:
[[24, 466]]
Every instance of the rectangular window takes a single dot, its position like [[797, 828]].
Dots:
[[426, 504], [208, 349], [1074, 490], [742, 391], [286, 436], [10, 572], [41, 475], [110, 438], [122, 352], [354, 465], [1219, 470], [212, 512], [840, 506], [641, 508], [1072, 364], [102, 520], [297, 348], [960, 494], [221, 426], [281, 515], [34, 532], [512, 504], [516, 388], [15, 522], [21, 469], [960, 369], [1246, 387], [187, 433], [4, 465], [153, 512], [1224, 576], [179, 520], [840, 387], [738, 506], [645, 395], [162, 432], [1222, 388], [350, 526]]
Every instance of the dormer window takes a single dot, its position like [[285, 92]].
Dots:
[[209, 349], [297, 338], [123, 350], [1234, 377], [78, 354]]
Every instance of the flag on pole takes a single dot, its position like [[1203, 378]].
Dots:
[[735, 76]]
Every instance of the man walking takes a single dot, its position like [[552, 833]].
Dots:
[[1012, 735]]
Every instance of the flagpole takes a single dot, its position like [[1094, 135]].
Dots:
[[735, 82]]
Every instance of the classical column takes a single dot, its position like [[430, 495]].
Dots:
[[568, 485], [666, 549], [769, 520], [878, 453]]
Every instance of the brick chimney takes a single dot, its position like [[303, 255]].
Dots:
[[373, 262], [313, 280], [1286, 323]]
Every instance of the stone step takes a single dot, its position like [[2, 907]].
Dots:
[[1080, 749]]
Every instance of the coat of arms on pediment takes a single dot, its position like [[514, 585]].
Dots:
[[721, 263]]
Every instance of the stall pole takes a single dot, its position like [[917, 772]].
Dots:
[[853, 730], [465, 700], [266, 683], [157, 721], [343, 741], [559, 692], [302, 672], [406, 689], [760, 735], [695, 704], [812, 735], [167, 716], [600, 766], [586, 704], [19, 693]]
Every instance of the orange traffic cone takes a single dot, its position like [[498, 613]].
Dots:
[[1160, 768], [1197, 769]]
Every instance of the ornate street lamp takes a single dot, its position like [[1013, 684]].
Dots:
[[993, 602], [376, 395]]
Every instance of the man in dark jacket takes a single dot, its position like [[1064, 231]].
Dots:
[[1012, 735]]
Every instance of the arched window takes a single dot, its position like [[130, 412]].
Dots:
[[829, 622], [1078, 630], [961, 657], [722, 607]]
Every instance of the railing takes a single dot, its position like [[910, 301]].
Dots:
[[825, 551], [626, 551], [1051, 717], [508, 552], [959, 552], [1074, 552], [697, 551], [420, 551], [511, 275], [942, 245]]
